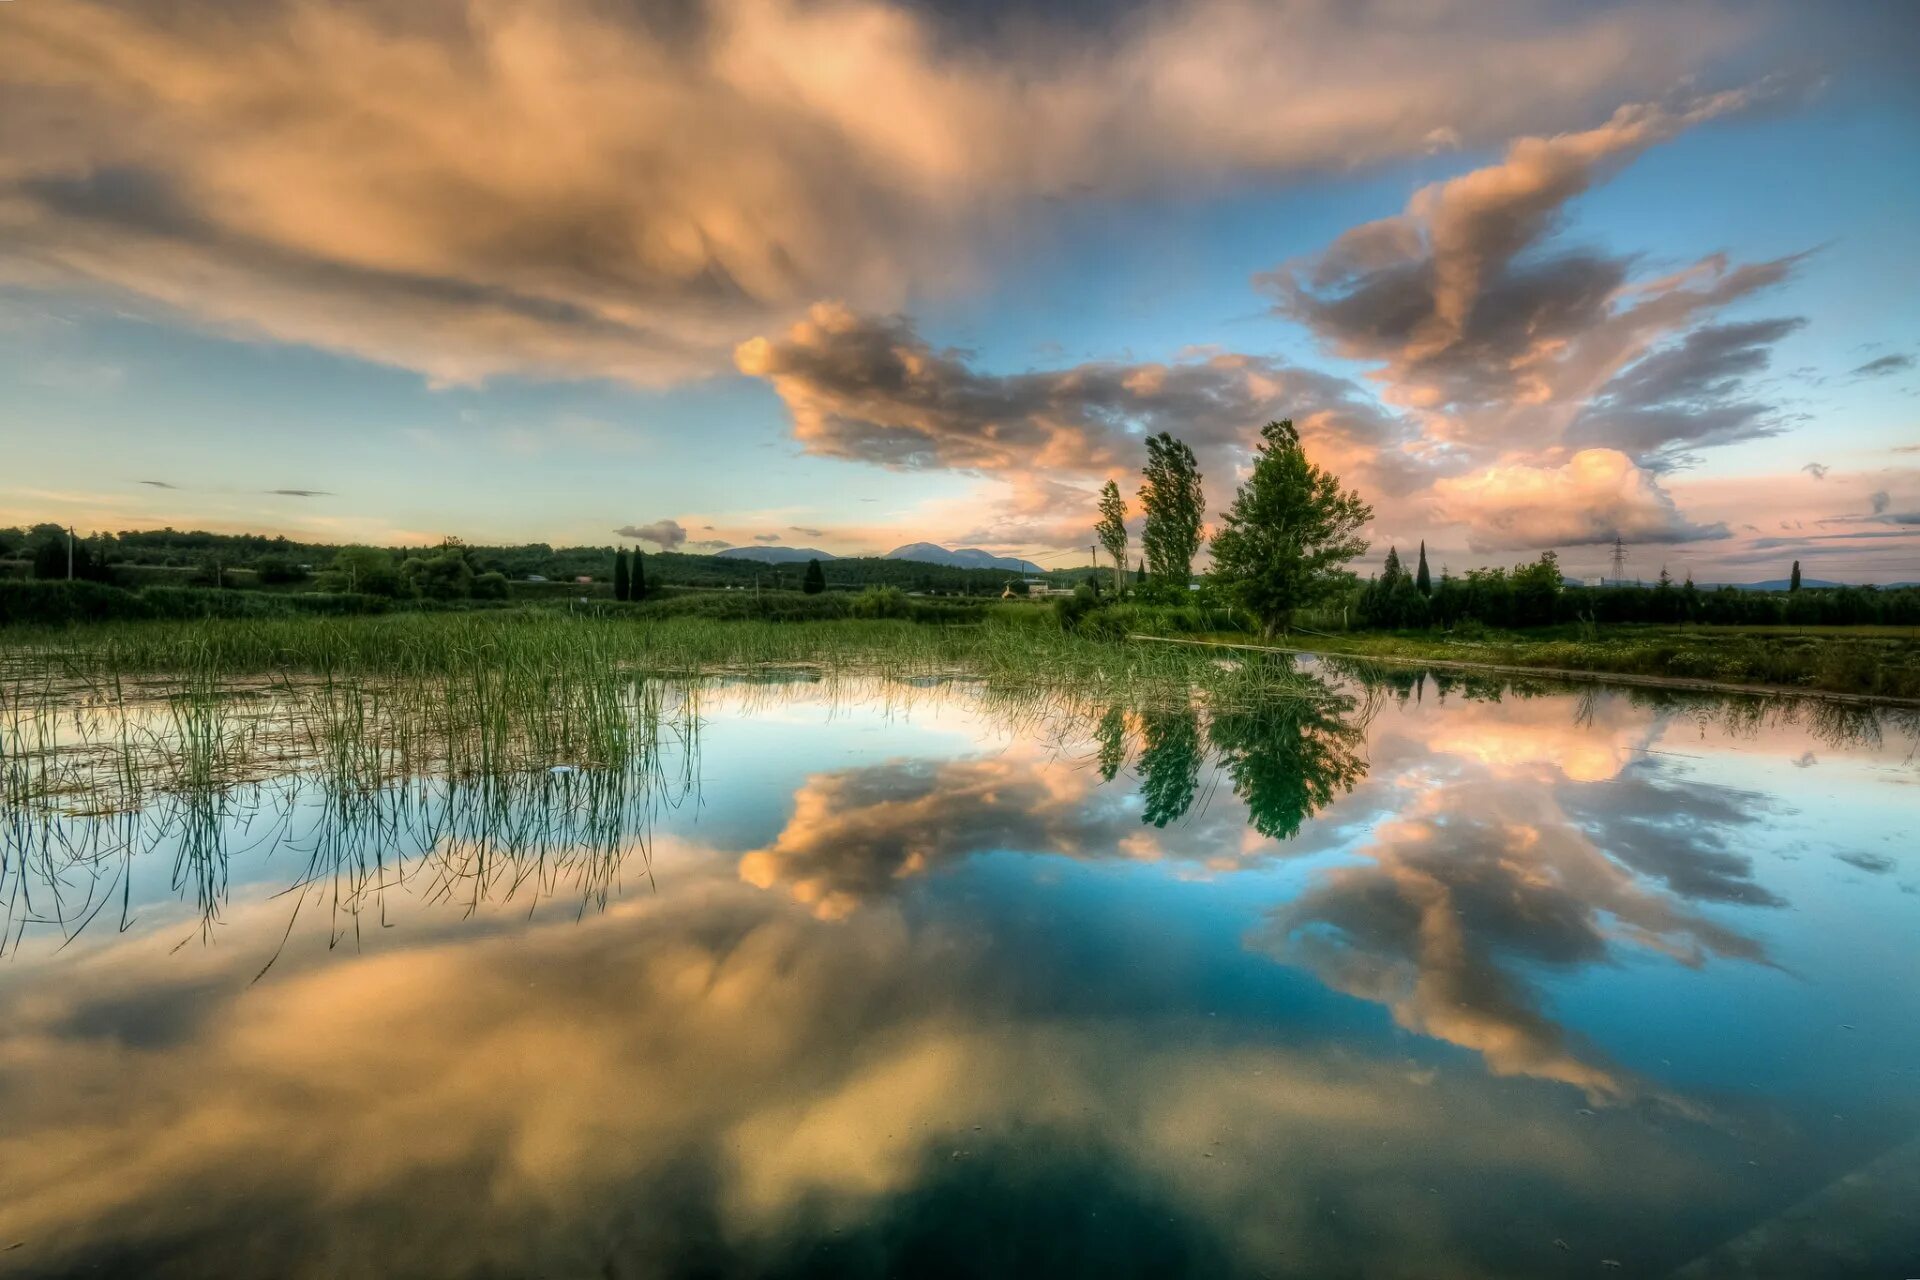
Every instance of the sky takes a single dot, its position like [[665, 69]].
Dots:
[[847, 274]]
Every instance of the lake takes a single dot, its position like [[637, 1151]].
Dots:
[[1405, 976]]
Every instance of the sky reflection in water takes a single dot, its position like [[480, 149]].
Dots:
[[1416, 978]]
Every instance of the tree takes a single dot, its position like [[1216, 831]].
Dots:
[[1290, 530], [620, 582], [491, 585], [637, 576], [816, 580], [439, 577], [1174, 506], [1112, 532], [365, 569], [1793, 583], [1422, 579]]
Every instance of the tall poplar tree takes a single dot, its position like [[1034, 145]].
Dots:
[[637, 578], [1422, 579], [1793, 583], [1112, 532], [620, 574], [1175, 508]]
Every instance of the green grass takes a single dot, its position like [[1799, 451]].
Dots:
[[1871, 661]]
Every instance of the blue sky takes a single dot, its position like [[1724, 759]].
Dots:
[[498, 286]]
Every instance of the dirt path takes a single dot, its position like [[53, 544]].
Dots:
[[1554, 673]]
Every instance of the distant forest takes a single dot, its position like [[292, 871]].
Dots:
[[195, 557]]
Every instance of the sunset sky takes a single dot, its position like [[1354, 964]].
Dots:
[[852, 273]]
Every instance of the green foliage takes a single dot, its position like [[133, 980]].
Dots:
[[365, 571], [620, 581], [1111, 530], [881, 602], [1290, 530], [1175, 507], [816, 580], [1793, 583], [445, 576], [637, 576], [491, 586], [1423, 580], [278, 571]]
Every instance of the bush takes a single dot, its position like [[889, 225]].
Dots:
[[881, 602]]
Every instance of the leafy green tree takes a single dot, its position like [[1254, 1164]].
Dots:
[[1422, 579], [816, 580], [444, 576], [1793, 583], [1112, 532], [620, 580], [490, 586], [1536, 590], [1174, 506], [278, 571], [1291, 529], [368, 570]]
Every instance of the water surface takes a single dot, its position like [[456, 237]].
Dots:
[[1405, 978]]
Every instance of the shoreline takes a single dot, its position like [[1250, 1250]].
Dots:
[[1575, 674]]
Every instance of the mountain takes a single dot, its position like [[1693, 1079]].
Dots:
[[964, 558], [1780, 584], [775, 555]]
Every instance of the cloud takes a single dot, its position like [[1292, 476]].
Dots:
[[1817, 470], [709, 544], [470, 187], [159, 484], [1593, 497], [301, 493], [1880, 498], [871, 388], [1499, 339], [766, 537], [1686, 395], [667, 534], [811, 533], [1884, 366]]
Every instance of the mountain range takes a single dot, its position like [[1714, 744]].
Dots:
[[921, 552]]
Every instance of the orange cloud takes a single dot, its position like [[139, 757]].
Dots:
[[472, 187]]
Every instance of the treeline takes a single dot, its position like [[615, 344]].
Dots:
[[1535, 594], [244, 561], [62, 603]]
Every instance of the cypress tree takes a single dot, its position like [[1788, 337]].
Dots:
[[637, 579], [1423, 579], [1793, 583], [620, 574], [816, 580]]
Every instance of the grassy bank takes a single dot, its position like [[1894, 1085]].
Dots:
[[1871, 661]]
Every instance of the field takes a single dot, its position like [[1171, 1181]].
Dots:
[[1871, 661]]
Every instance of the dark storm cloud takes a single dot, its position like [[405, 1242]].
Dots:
[[667, 534]]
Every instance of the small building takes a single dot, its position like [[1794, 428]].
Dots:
[[585, 579], [536, 577]]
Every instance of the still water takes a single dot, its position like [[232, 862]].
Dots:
[[1406, 978]]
